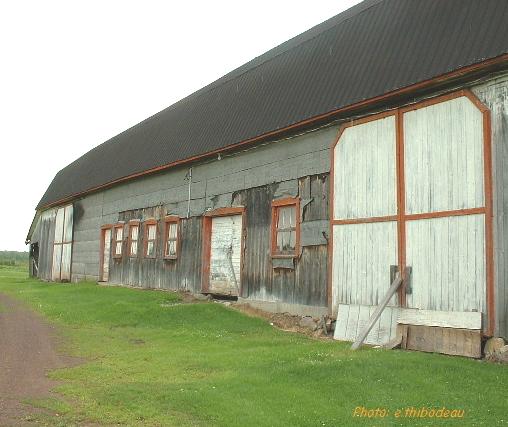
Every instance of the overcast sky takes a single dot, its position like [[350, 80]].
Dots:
[[74, 74]]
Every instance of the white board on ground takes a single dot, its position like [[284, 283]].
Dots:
[[351, 320]]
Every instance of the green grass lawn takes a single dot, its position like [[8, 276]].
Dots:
[[153, 361]]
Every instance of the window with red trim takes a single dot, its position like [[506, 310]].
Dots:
[[132, 244], [117, 240], [171, 237], [150, 238], [285, 227]]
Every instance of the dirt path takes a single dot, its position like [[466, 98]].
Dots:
[[27, 351]]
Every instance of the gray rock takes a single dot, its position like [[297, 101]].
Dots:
[[308, 322], [492, 345], [201, 297], [503, 349]]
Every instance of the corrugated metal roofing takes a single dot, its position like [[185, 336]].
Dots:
[[375, 47]]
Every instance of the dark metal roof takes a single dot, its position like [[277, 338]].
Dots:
[[375, 47]]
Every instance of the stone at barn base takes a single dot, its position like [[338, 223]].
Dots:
[[308, 322], [493, 345]]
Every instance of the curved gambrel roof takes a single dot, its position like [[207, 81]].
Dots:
[[374, 48]]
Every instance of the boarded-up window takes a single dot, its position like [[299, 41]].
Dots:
[[62, 244], [171, 236], [150, 238], [285, 227], [133, 239]]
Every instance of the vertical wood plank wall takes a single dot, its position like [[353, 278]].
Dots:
[[494, 94]]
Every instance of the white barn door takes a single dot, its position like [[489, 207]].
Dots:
[[445, 217], [106, 254], [225, 255], [62, 244], [412, 189], [364, 223]]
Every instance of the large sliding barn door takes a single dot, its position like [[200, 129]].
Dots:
[[411, 189], [364, 213], [62, 244], [444, 204]]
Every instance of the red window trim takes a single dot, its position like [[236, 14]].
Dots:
[[115, 227], [289, 201], [171, 219], [145, 238], [132, 223]]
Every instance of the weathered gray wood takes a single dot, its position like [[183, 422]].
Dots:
[[457, 342], [389, 294], [447, 319]]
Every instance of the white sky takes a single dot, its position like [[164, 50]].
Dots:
[[74, 74]]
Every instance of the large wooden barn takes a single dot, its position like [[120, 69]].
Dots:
[[370, 147]]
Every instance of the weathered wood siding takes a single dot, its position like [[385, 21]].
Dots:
[[213, 185], [299, 281], [494, 94], [183, 273]]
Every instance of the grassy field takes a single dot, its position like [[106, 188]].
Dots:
[[153, 361]]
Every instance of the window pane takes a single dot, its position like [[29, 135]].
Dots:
[[287, 217], [134, 247], [292, 241], [150, 249], [171, 248], [172, 230], [134, 232], [119, 233], [151, 232], [286, 241], [118, 249]]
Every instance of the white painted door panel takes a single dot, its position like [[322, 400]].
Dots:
[[362, 255], [447, 257], [443, 156], [365, 171], [226, 255], [106, 254]]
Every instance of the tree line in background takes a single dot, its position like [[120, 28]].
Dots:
[[13, 258]]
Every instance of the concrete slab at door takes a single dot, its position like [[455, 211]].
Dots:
[[225, 255]]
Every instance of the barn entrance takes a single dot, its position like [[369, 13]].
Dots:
[[223, 251], [411, 188], [105, 253]]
